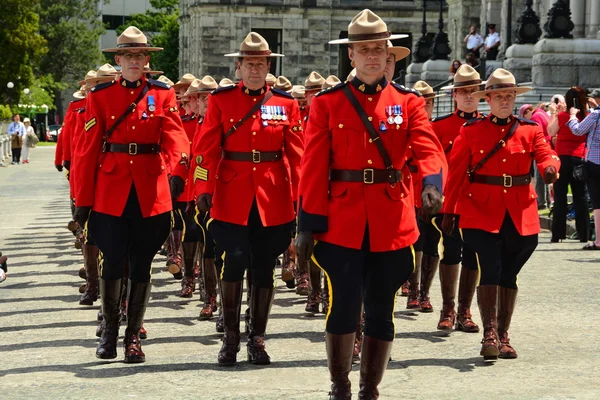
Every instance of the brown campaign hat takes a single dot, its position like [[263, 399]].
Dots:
[[501, 80], [254, 45], [465, 76], [80, 94], [184, 81], [105, 73], [226, 82], [150, 71], [398, 51], [271, 79], [426, 90], [330, 82], [132, 39], [366, 26], [204, 85], [166, 80], [283, 83], [314, 81], [298, 92], [90, 74]]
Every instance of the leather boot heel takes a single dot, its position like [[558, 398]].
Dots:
[[110, 291]]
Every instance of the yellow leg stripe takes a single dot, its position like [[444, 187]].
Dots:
[[329, 285], [223, 267], [210, 220], [414, 257], [100, 263], [441, 242], [478, 268], [172, 220], [183, 224]]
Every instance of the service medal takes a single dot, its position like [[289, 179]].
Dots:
[[398, 120], [151, 107], [390, 120]]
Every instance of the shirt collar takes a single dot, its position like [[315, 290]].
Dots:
[[251, 92], [467, 115], [369, 89], [501, 121], [131, 85]]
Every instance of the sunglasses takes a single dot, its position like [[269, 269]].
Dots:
[[134, 56]]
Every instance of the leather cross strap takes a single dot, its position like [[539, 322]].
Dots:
[[413, 168], [501, 143], [387, 161], [245, 117], [505, 180], [253, 156], [368, 176], [129, 110], [132, 148]]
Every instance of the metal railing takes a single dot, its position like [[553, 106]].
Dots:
[[5, 149]]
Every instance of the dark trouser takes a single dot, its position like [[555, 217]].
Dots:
[[378, 276], [500, 255], [492, 54], [130, 238], [16, 154], [593, 184], [541, 189], [430, 238], [253, 246], [453, 249], [561, 187], [183, 222]]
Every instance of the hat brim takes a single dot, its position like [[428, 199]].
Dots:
[[518, 89], [100, 78], [348, 41], [154, 72], [78, 95], [399, 51], [247, 55], [117, 49], [451, 87], [185, 96]]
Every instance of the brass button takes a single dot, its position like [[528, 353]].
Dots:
[[132, 92], [286, 178], [450, 142], [370, 118], [532, 196], [523, 151], [254, 99], [130, 161], [502, 130], [370, 140], [402, 195], [190, 142], [504, 190], [162, 167], [369, 161], [253, 168], [410, 147], [504, 160], [470, 194], [370, 98], [254, 133], [481, 151], [112, 117], [133, 127], [100, 165], [231, 120], [340, 126], [254, 116]]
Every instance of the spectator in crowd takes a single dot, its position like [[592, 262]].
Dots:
[[590, 127], [472, 60], [453, 68], [571, 150], [545, 114], [473, 41], [3, 267], [492, 43], [28, 142], [594, 99], [16, 130], [526, 111]]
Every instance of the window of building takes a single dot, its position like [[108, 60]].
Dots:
[[274, 38], [112, 22]]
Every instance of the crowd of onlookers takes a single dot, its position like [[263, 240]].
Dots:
[[22, 139], [571, 125]]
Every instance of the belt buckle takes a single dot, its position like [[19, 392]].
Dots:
[[133, 149], [256, 157], [508, 181], [368, 176]]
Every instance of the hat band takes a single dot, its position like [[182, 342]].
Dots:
[[127, 45], [501, 86], [428, 95], [255, 52], [313, 87], [369, 36], [468, 83]]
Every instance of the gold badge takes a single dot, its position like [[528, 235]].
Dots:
[[378, 89], [123, 83], [199, 160], [362, 87], [200, 173], [90, 124]]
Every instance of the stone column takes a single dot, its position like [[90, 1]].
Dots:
[[594, 28], [461, 15], [578, 17]]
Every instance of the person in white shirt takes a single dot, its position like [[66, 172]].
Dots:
[[27, 143], [473, 41], [492, 43]]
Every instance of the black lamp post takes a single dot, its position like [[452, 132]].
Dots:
[[559, 24], [528, 26], [440, 49], [421, 51]]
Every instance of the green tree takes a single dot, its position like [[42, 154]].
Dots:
[[22, 46], [72, 29], [161, 26]]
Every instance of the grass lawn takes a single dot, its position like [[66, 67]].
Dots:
[[46, 144]]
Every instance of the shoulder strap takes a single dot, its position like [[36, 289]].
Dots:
[[245, 118], [497, 147], [129, 110], [387, 161]]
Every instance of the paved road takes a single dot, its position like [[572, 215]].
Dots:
[[47, 340]]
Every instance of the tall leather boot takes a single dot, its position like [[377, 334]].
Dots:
[[210, 296], [325, 297], [413, 284], [302, 279], [507, 299], [448, 283], [314, 297], [487, 298], [137, 301], [174, 258], [261, 300], [188, 283], [110, 292], [429, 266], [339, 361], [90, 259], [288, 266], [374, 360], [358, 335], [248, 301], [466, 290], [231, 303]]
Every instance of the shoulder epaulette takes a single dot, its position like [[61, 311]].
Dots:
[[160, 84], [441, 117], [81, 110], [526, 121], [473, 121], [223, 89], [75, 101], [332, 89], [404, 89], [102, 86], [186, 118], [282, 93]]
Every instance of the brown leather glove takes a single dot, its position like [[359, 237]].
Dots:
[[448, 224], [550, 174], [204, 202], [432, 201], [305, 244], [59, 168], [190, 208], [81, 215]]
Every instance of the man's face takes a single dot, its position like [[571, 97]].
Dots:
[[253, 71], [473, 29], [310, 95], [370, 58], [429, 107], [501, 103], [17, 118], [193, 104], [390, 66], [202, 103], [132, 63], [465, 100]]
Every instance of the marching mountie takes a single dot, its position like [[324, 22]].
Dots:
[[270, 79], [466, 82], [226, 82], [283, 84], [417, 287], [241, 176], [490, 190], [132, 133], [313, 84], [395, 54], [357, 205]]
